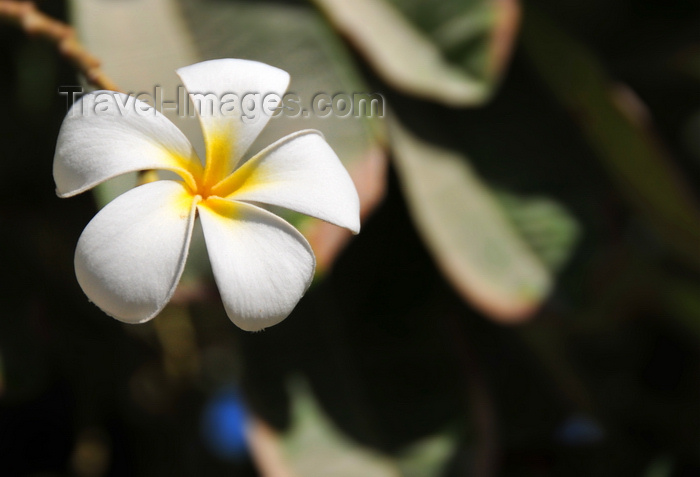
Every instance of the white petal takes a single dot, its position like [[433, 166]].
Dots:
[[106, 134], [237, 98], [302, 173], [130, 256], [261, 264]]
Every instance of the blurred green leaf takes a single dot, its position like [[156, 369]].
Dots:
[[429, 456], [467, 231], [315, 448], [546, 226], [452, 52], [616, 124]]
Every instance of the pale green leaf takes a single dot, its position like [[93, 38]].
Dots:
[[428, 457], [314, 447], [450, 52], [466, 230], [546, 226]]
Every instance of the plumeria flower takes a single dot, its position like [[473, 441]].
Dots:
[[130, 257]]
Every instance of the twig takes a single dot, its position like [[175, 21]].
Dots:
[[35, 23]]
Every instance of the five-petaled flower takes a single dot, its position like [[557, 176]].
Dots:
[[130, 257]]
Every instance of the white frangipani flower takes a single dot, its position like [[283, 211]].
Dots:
[[130, 257]]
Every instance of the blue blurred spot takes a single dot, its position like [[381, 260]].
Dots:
[[579, 430], [223, 425]]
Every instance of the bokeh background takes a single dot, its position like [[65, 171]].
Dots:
[[523, 299]]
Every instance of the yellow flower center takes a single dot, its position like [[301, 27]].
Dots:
[[214, 180]]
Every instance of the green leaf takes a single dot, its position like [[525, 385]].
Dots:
[[613, 120], [467, 231], [546, 226], [452, 52], [315, 448], [428, 457]]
